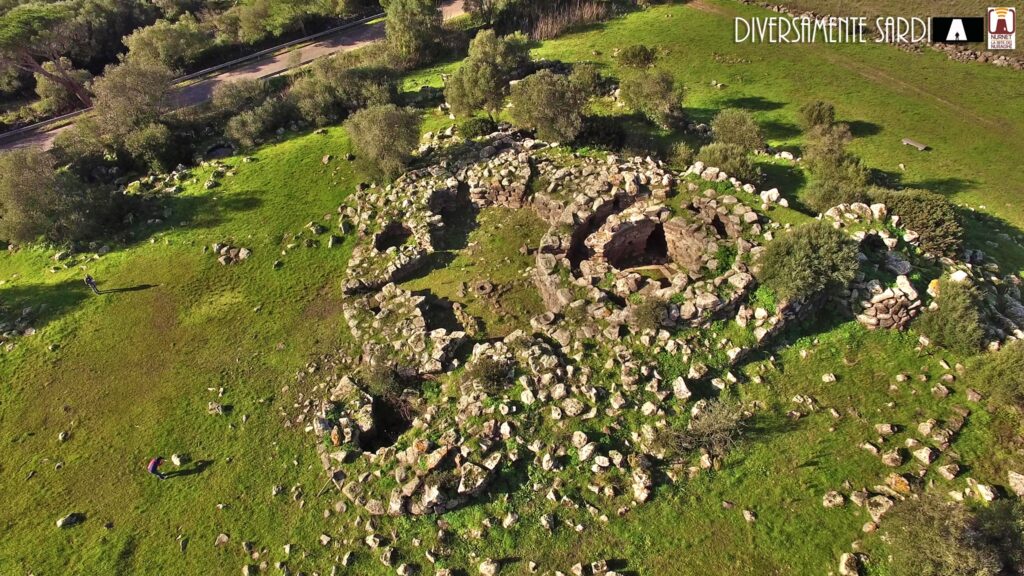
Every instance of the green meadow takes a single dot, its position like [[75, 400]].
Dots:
[[129, 374]]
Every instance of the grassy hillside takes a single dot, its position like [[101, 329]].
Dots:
[[129, 374]]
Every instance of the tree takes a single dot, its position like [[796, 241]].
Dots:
[[549, 104], [131, 95], [171, 44], [37, 32], [53, 96], [733, 126], [38, 201], [152, 148], [810, 259], [385, 135], [654, 94], [481, 83], [235, 97], [817, 113], [413, 27]]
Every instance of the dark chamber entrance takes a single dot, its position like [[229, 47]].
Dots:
[[393, 235], [641, 245], [392, 417]]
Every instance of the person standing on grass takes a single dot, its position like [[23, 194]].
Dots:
[[91, 283], [154, 467]]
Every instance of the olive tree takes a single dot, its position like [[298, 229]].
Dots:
[[385, 135], [549, 104]]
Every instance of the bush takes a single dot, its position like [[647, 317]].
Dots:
[[958, 322], [821, 195], [637, 56], [386, 136], [382, 381], [331, 92], [253, 126], [737, 127], [931, 536], [491, 374], [648, 314], [550, 105], [481, 83], [817, 113], [232, 98], [733, 159], [714, 429], [654, 94], [934, 218], [477, 127], [588, 79], [152, 148], [825, 149], [39, 201], [682, 155], [1001, 374], [808, 260]]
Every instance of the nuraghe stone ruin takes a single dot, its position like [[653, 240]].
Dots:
[[580, 407]]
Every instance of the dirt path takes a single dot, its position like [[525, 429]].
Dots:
[[200, 92]]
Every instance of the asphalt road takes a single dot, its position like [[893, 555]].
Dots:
[[202, 91]]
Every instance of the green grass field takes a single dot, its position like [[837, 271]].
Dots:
[[129, 374]]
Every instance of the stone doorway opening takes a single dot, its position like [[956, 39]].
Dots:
[[641, 245], [393, 235], [392, 417]]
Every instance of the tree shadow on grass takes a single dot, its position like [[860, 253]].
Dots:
[[48, 302], [944, 186], [776, 130], [754, 103], [212, 209], [860, 128], [788, 179]]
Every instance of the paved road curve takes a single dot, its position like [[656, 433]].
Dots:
[[200, 92]]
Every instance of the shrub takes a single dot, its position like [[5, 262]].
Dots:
[[682, 155], [934, 218], [737, 127], [648, 314], [821, 195], [817, 113], [54, 97], [252, 126], [550, 105], [588, 79], [808, 260], [958, 322], [477, 127], [654, 94], [931, 536], [825, 148], [386, 136], [412, 27], [481, 83], [239, 96], [637, 56], [1001, 374], [39, 201], [491, 374], [152, 148], [714, 429], [331, 92], [733, 159], [381, 380]]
